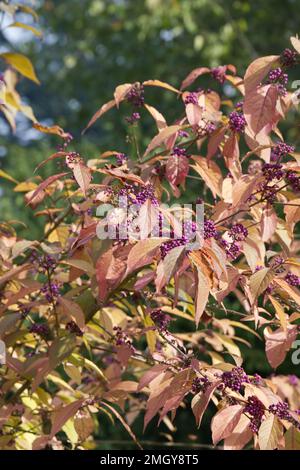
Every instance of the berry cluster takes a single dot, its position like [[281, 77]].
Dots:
[[191, 98], [232, 249], [189, 229], [40, 329], [280, 150], [281, 410], [255, 409], [72, 327], [288, 58], [200, 384], [237, 121], [135, 96], [238, 232], [292, 279], [179, 152], [73, 158], [121, 338], [219, 73], [121, 159], [293, 180], [280, 78], [160, 319], [273, 171], [135, 117], [170, 244], [209, 229], [235, 378], [51, 291]]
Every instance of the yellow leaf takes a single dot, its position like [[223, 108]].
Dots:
[[17, 24], [150, 335], [280, 312], [6, 176], [22, 64], [269, 433]]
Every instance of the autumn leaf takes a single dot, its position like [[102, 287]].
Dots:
[[259, 108], [160, 138], [177, 168], [224, 422], [257, 70], [83, 176], [22, 64], [269, 433]]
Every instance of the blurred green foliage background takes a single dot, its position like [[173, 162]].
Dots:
[[91, 46]]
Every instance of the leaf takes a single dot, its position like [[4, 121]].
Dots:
[[192, 76], [160, 84], [157, 116], [202, 294], [63, 414], [150, 375], [104, 108], [278, 343], [295, 43], [194, 114], [73, 310], [52, 157], [6, 176], [288, 289], [44, 185], [280, 312], [83, 176], [257, 70], [259, 281], [168, 266], [210, 173], [161, 137], [120, 418], [224, 422], [240, 435], [177, 168], [121, 92], [22, 64], [60, 349], [84, 425], [17, 24], [260, 108], [142, 253], [56, 130], [269, 433], [201, 400], [268, 223], [292, 435]]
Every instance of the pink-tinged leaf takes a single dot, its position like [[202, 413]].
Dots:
[[210, 173], [268, 224], [147, 220], [259, 281], [215, 139], [104, 108], [160, 138], [193, 113], [123, 422], [292, 213], [121, 92], [243, 189], [231, 147], [45, 184], [120, 174], [13, 273], [240, 435], [224, 422], [102, 266], [177, 168], [61, 415], [124, 353], [142, 253], [278, 344], [160, 84], [82, 175], [157, 116], [168, 266], [49, 159], [72, 310], [202, 294], [295, 43], [143, 281], [257, 70], [201, 400], [260, 108], [151, 374], [269, 433], [192, 76]]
